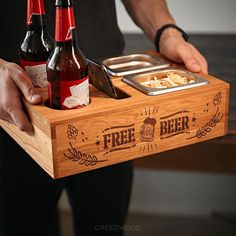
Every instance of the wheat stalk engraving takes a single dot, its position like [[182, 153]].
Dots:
[[216, 118], [82, 158]]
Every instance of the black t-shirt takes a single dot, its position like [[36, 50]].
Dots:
[[98, 32]]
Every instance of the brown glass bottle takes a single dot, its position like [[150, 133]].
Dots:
[[37, 45], [67, 68]]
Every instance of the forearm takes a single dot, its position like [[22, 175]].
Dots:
[[149, 15]]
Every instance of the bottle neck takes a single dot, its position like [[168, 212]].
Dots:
[[69, 45], [65, 32], [35, 12]]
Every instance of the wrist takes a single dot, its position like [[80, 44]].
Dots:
[[169, 31]]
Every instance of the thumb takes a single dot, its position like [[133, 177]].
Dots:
[[27, 88], [187, 57]]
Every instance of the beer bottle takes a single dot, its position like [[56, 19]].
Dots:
[[67, 68], [37, 45]]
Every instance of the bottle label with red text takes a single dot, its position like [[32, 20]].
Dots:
[[74, 94], [65, 22], [36, 71]]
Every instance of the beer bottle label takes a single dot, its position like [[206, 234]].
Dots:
[[74, 94], [36, 71], [63, 31]]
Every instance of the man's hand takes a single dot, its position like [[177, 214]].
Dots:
[[174, 47], [13, 83], [151, 15]]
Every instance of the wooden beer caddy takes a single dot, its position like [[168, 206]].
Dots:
[[110, 131]]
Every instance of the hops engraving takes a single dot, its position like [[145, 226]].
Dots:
[[72, 132], [217, 99]]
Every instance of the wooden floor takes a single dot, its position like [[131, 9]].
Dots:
[[220, 51]]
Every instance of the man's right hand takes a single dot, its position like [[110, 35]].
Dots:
[[14, 82]]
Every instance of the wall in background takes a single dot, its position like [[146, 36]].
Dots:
[[203, 16]]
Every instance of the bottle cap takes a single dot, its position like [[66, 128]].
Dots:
[[63, 3]]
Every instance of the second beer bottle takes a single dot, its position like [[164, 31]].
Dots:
[[67, 68]]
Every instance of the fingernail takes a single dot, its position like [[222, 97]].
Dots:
[[35, 98]]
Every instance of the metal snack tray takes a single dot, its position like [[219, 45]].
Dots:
[[132, 64], [138, 81]]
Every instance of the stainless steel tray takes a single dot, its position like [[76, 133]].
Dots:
[[139, 81], [132, 64]]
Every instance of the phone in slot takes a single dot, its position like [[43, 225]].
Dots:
[[99, 78]]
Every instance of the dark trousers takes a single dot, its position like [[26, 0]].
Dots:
[[29, 197]]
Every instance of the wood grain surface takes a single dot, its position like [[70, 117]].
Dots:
[[110, 131]]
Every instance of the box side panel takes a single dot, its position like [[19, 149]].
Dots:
[[227, 92], [141, 130], [38, 146]]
